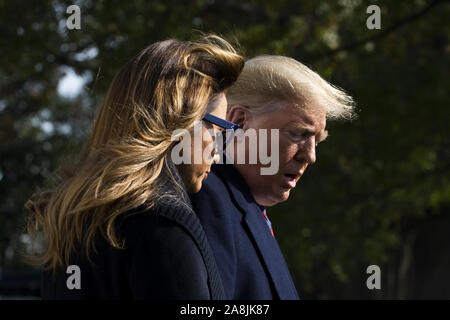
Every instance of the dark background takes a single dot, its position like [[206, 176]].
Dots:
[[380, 189]]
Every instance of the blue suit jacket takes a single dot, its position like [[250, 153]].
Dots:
[[248, 256]]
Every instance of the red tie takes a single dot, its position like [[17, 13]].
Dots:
[[269, 224]]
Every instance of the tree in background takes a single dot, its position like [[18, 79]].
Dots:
[[379, 192]]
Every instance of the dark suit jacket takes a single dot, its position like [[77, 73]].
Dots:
[[167, 256], [248, 256]]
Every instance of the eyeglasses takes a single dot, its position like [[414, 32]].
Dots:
[[222, 123]]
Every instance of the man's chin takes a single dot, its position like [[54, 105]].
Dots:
[[285, 195], [273, 198], [281, 196]]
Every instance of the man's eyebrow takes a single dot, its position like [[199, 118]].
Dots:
[[302, 127], [310, 129]]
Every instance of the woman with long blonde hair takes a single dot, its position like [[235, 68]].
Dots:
[[120, 225]]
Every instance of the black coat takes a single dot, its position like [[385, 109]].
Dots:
[[167, 256], [248, 256]]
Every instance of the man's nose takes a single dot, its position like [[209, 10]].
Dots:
[[307, 151]]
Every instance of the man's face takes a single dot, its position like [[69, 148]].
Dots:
[[300, 130]]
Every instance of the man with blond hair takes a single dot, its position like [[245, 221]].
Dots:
[[273, 93]]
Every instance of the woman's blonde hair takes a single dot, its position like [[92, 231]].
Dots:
[[267, 80], [167, 86]]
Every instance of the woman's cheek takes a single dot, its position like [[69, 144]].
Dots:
[[208, 149]]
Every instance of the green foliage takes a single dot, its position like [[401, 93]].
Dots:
[[376, 179]]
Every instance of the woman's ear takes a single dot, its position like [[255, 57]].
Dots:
[[239, 115]]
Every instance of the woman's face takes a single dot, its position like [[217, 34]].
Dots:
[[193, 174]]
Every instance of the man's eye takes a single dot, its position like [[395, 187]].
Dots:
[[296, 135]]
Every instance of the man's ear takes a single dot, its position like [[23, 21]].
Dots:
[[239, 115]]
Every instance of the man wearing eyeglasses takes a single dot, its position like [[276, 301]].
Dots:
[[272, 93]]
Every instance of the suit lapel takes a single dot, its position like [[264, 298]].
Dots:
[[259, 231]]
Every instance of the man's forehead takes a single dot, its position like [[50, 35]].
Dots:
[[305, 117], [291, 114]]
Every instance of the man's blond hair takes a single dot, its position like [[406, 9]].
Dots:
[[267, 80]]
